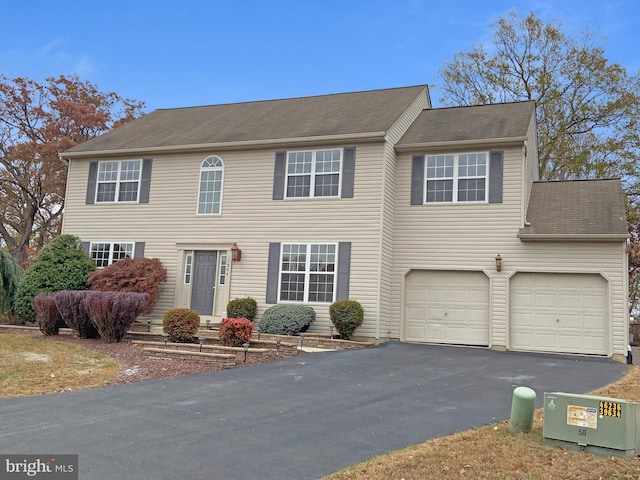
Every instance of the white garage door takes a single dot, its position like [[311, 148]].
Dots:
[[447, 307], [556, 312]]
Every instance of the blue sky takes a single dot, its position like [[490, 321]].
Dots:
[[198, 52]]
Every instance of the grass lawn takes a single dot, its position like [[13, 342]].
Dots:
[[34, 366], [493, 452]]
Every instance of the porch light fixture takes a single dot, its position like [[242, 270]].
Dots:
[[236, 253], [498, 263]]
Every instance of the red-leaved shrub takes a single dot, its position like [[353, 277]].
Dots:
[[47, 314], [72, 310], [181, 324], [137, 275], [113, 313], [235, 331]]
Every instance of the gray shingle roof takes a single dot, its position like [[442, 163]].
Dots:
[[576, 209], [325, 115], [480, 122]]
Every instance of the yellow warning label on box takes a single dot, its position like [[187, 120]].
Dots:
[[582, 416]]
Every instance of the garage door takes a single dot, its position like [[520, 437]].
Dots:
[[447, 307], [555, 312]]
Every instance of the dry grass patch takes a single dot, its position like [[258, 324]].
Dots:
[[31, 366], [493, 452]]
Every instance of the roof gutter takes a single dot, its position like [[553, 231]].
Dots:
[[572, 237], [239, 145], [457, 144]]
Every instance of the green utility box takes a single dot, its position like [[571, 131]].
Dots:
[[598, 425]]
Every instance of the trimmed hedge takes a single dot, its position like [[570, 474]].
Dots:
[[286, 319], [242, 308], [235, 331], [47, 315], [181, 324], [346, 315], [73, 311], [60, 265], [113, 313]]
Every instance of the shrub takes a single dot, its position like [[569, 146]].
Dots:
[[235, 331], [346, 315], [136, 275], [113, 313], [72, 309], [60, 265], [9, 280], [242, 308], [47, 314], [287, 319], [181, 324]]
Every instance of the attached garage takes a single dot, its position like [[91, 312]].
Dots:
[[559, 312], [447, 307]]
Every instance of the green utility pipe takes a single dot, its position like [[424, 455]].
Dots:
[[522, 406]]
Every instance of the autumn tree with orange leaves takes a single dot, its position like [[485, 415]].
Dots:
[[37, 122]]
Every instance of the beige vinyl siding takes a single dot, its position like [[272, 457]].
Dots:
[[249, 217], [387, 213], [532, 169], [468, 237]]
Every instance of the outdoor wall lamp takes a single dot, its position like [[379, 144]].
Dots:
[[236, 253], [498, 263]]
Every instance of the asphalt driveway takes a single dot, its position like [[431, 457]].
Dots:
[[299, 418]]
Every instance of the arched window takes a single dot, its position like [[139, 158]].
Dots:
[[210, 190]]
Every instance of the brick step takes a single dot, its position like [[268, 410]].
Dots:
[[223, 360]]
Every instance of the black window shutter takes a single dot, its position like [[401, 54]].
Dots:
[[348, 171], [495, 177], [273, 273], [138, 250], [344, 271], [86, 247], [417, 180], [91, 183], [279, 176], [145, 180]]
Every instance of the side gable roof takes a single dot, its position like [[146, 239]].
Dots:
[[475, 123], [355, 113], [576, 210]]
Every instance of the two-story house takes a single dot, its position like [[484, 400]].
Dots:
[[433, 219]]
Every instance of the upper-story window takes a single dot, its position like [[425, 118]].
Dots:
[[106, 253], [456, 178], [118, 181], [313, 173], [210, 189]]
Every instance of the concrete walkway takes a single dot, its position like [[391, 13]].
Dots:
[[297, 418]]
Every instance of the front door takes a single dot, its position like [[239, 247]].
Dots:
[[204, 282]]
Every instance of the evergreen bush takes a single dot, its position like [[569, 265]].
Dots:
[[346, 315], [10, 273], [113, 313], [181, 324], [60, 265], [47, 315], [287, 319], [136, 275], [242, 308], [234, 332]]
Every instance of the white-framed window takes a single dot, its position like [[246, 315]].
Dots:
[[313, 173], [454, 178], [188, 265], [210, 186], [118, 181], [222, 277], [105, 253], [308, 272]]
